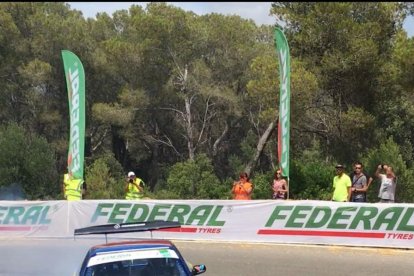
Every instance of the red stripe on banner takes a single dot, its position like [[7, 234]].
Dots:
[[15, 228], [180, 229], [40, 227], [321, 233]]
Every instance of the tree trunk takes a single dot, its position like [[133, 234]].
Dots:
[[219, 139], [189, 126], [260, 146]]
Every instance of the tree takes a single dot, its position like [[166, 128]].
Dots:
[[389, 153], [394, 108], [263, 103], [105, 179], [32, 70], [311, 175], [165, 86], [28, 160], [346, 46], [262, 184], [194, 179]]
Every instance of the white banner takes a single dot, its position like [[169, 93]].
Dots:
[[309, 222], [33, 219]]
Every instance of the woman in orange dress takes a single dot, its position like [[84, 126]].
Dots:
[[242, 189]]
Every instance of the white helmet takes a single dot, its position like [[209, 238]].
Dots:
[[131, 174]]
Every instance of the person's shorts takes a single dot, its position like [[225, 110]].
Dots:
[[359, 199], [279, 197], [386, 200]]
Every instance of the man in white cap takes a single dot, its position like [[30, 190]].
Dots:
[[134, 187]]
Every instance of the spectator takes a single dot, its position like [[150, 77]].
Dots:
[[242, 189], [386, 192], [73, 189], [359, 184], [279, 186], [342, 185], [134, 187]]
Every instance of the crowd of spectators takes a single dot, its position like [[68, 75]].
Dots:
[[346, 188]]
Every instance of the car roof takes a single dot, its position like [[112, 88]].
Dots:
[[146, 246], [128, 245]]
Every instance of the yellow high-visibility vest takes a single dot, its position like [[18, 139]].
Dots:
[[133, 191], [73, 189]]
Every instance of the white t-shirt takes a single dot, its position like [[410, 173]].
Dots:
[[387, 189]]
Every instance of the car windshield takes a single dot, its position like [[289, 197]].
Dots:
[[164, 262]]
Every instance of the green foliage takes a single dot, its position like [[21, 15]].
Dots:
[[262, 183], [389, 153], [347, 46], [166, 194], [360, 128], [28, 160], [194, 179], [104, 179], [236, 165], [164, 85], [111, 114], [261, 87], [248, 144], [311, 181], [311, 176]]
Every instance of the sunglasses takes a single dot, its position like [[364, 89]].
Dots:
[[358, 168]]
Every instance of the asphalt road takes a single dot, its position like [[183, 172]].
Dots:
[[62, 257]]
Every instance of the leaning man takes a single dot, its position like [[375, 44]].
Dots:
[[342, 185], [73, 189]]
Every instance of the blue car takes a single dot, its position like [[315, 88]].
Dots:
[[149, 257]]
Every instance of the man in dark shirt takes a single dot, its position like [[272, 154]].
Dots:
[[360, 184]]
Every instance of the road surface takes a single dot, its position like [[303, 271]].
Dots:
[[63, 256]]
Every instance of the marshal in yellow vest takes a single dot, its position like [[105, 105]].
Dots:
[[132, 191], [73, 188]]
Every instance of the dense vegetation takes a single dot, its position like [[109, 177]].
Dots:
[[183, 99]]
